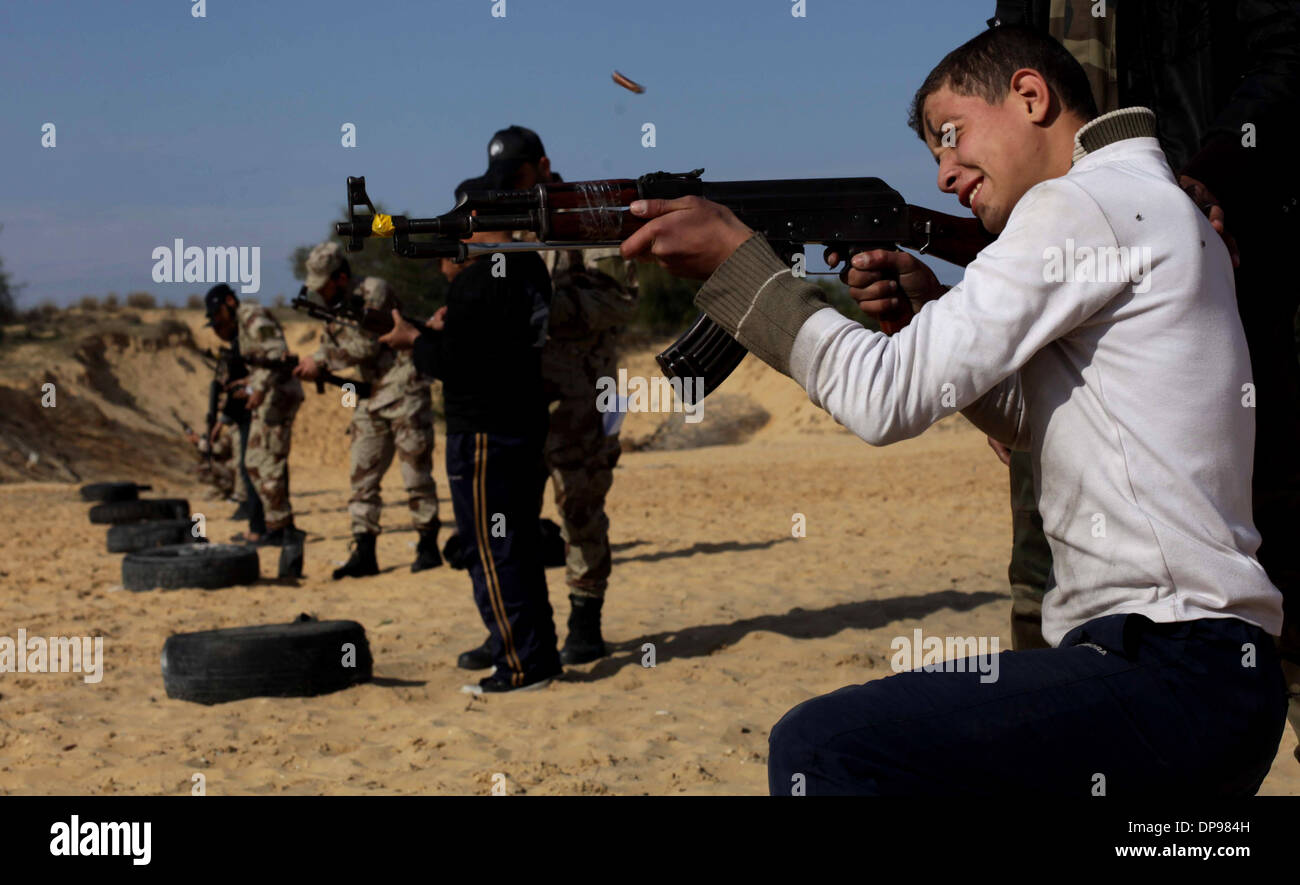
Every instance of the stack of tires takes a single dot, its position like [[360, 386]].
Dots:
[[300, 659], [161, 550]]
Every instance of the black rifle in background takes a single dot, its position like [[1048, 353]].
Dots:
[[352, 311]]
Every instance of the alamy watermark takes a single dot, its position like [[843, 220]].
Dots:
[[1098, 264], [57, 654], [655, 394], [179, 263], [946, 654]]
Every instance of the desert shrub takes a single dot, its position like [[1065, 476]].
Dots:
[[141, 301]]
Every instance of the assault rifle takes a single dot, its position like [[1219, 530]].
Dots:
[[351, 310], [323, 377], [847, 215]]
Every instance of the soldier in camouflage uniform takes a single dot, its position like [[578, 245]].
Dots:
[[588, 307], [592, 299], [273, 396], [397, 418]]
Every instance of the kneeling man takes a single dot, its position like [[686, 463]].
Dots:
[[1100, 333]]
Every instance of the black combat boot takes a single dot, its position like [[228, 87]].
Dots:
[[584, 642], [287, 534], [426, 552], [362, 562], [242, 512]]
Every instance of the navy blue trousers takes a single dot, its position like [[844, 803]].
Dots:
[[493, 482], [1124, 706]]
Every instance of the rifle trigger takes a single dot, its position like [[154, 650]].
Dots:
[[927, 238]]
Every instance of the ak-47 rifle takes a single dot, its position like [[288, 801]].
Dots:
[[351, 310], [847, 215], [363, 388]]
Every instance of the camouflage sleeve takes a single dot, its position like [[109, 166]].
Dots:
[[262, 339], [336, 347], [348, 346], [590, 299]]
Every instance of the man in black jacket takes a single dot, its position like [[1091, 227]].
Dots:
[[1223, 77], [486, 346]]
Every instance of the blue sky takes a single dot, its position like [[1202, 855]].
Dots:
[[225, 130]]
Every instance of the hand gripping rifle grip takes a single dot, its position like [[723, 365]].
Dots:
[[898, 316]]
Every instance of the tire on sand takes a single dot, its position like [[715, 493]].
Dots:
[[128, 537], [112, 491], [206, 566], [113, 512], [300, 659]]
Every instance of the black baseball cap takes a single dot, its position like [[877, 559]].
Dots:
[[216, 297], [508, 150]]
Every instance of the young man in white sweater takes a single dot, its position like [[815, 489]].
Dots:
[[1100, 333]]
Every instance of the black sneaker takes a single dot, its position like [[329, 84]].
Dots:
[[494, 685], [476, 658]]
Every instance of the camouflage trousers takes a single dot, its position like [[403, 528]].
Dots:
[[1031, 558], [270, 434], [219, 475], [221, 471], [404, 428], [240, 489], [580, 461]]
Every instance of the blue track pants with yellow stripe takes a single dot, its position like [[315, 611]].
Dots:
[[493, 479]]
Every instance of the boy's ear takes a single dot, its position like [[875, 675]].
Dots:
[[1030, 92]]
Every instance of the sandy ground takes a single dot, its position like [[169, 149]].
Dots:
[[746, 619]]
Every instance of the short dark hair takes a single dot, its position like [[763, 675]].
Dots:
[[984, 64]]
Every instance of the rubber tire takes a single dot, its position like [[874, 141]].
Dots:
[[301, 659], [206, 566], [112, 491], [114, 512], [128, 537]]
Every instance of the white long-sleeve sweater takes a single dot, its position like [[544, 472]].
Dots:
[[1130, 389]]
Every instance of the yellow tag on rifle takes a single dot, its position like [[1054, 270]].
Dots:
[[382, 225]]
